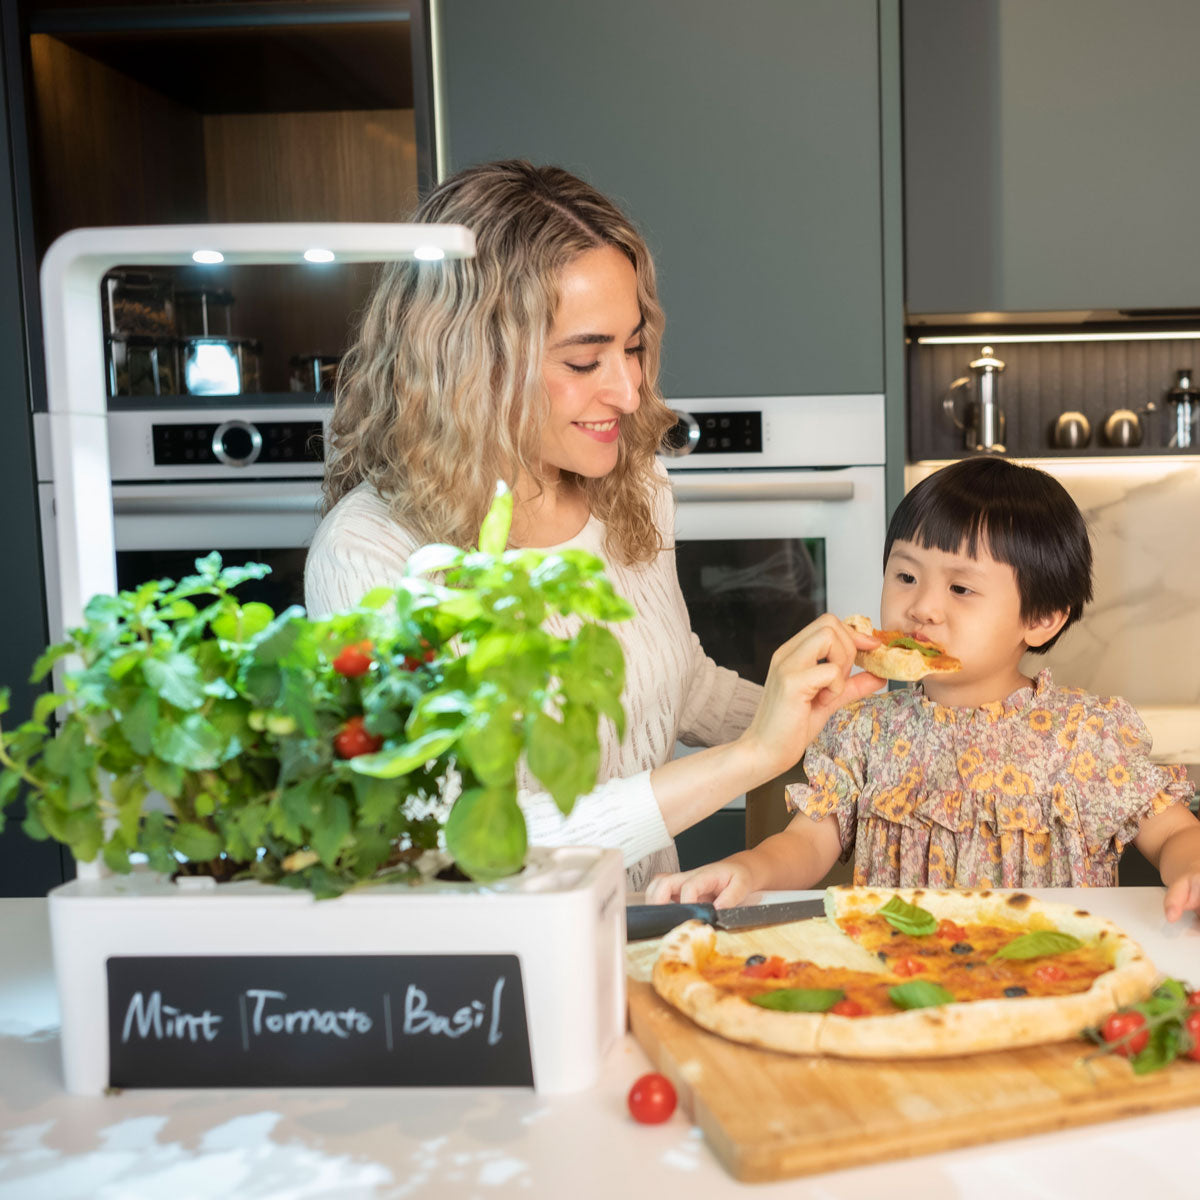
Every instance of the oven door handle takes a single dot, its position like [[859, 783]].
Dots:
[[742, 488], [212, 505]]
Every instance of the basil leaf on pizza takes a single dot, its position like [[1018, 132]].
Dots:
[[1039, 944], [810, 1000], [919, 993], [908, 918], [907, 643]]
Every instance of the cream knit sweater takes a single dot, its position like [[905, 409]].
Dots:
[[673, 691]]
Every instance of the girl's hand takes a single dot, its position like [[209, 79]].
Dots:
[[1182, 896], [808, 681], [725, 883]]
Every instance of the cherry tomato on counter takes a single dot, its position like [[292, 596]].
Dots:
[[1191, 1026], [354, 660], [1126, 1025], [1193, 1000], [651, 1099], [353, 739]]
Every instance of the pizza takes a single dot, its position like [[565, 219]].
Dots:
[[906, 973], [902, 656]]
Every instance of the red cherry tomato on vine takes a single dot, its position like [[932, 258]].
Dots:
[[848, 1008], [909, 966], [651, 1099], [353, 739], [1191, 1025], [354, 660], [1193, 1000], [1126, 1025]]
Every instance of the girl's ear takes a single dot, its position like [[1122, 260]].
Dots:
[[1042, 629]]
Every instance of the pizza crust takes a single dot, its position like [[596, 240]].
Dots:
[[897, 662], [949, 1030]]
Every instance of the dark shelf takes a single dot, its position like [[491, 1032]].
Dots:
[[317, 400]]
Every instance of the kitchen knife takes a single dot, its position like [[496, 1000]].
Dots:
[[644, 921]]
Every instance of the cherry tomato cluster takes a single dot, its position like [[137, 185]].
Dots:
[[1127, 1032]]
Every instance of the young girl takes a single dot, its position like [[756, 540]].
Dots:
[[984, 777]]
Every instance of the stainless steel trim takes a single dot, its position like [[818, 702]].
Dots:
[[212, 506], [693, 436], [739, 487]]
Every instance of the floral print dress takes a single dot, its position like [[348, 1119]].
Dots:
[[1043, 789]]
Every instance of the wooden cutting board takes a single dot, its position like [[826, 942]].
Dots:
[[773, 1116]]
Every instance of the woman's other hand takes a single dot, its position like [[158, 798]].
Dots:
[[725, 883], [809, 679]]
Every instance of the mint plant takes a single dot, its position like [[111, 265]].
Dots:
[[325, 753]]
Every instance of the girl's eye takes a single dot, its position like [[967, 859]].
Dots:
[[905, 577], [960, 589], [583, 368]]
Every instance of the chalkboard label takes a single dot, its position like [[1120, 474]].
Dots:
[[424, 1020]]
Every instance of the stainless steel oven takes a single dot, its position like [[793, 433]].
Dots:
[[244, 481], [780, 516]]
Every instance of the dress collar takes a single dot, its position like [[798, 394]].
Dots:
[[995, 710]]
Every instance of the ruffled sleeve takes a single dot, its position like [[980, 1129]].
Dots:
[[835, 768], [1123, 788]]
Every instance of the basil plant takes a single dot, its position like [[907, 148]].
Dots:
[[218, 738]]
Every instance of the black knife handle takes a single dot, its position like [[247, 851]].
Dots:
[[644, 921]]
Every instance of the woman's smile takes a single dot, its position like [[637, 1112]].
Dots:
[[602, 431]]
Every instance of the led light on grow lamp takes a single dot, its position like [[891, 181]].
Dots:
[[429, 253], [207, 256], [318, 256]]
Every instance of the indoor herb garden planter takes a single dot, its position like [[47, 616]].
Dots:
[[293, 785]]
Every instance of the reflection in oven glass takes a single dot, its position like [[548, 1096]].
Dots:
[[746, 597], [284, 586]]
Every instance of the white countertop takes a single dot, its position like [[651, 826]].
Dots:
[[342, 1144]]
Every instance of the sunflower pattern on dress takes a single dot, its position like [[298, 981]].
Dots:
[[1042, 789]]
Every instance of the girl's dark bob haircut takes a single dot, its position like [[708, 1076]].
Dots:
[[1020, 515]]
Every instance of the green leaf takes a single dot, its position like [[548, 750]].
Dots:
[[403, 760], [907, 643], [1162, 1048], [331, 827], [116, 857], [919, 993], [139, 721], [429, 560], [46, 660], [485, 833], [812, 1000], [1040, 943], [908, 918], [195, 843], [378, 799], [45, 704], [491, 746], [164, 777], [564, 755], [192, 742], [493, 533], [176, 678]]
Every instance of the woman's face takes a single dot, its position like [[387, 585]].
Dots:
[[593, 363]]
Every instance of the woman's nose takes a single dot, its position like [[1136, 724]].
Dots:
[[623, 383]]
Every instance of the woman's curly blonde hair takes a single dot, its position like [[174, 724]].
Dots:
[[442, 393]]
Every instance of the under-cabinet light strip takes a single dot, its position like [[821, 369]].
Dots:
[[992, 339]]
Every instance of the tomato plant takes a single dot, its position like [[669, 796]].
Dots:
[[355, 659], [1127, 1033], [652, 1099]]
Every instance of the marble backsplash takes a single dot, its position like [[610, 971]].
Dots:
[[1140, 636]]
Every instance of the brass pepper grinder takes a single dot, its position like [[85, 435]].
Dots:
[[1185, 395], [983, 428]]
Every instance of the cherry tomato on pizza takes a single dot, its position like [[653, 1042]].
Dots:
[[1128, 1029], [909, 966], [1050, 972], [354, 659], [770, 968], [848, 1008], [353, 739], [652, 1099]]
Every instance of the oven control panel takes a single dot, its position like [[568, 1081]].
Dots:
[[237, 443], [714, 433]]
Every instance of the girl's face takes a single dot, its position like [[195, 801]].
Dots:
[[593, 363], [972, 607]]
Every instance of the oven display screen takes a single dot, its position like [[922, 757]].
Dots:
[[748, 596]]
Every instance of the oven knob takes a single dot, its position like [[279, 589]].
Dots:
[[236, 443], [682, 437]]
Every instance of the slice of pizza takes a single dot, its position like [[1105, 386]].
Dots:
[[902, 656], [906, 974]]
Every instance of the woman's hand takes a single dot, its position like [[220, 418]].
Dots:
[[809, 679], [725, 883]]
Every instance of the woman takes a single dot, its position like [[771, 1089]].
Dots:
[[536, 362]]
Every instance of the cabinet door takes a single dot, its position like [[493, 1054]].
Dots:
[[742, 138], [1050, 156]]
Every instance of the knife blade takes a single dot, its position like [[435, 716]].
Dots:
[[644, 921]]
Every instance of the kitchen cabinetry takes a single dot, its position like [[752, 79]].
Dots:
[[744, 140], [1049, 155]]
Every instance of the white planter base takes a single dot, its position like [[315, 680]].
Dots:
[[563, 918]]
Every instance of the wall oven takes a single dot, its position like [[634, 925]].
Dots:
[[780, 516], [242, 480]]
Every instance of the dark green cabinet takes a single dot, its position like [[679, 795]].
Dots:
[[1050, 155], [744, 139]]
